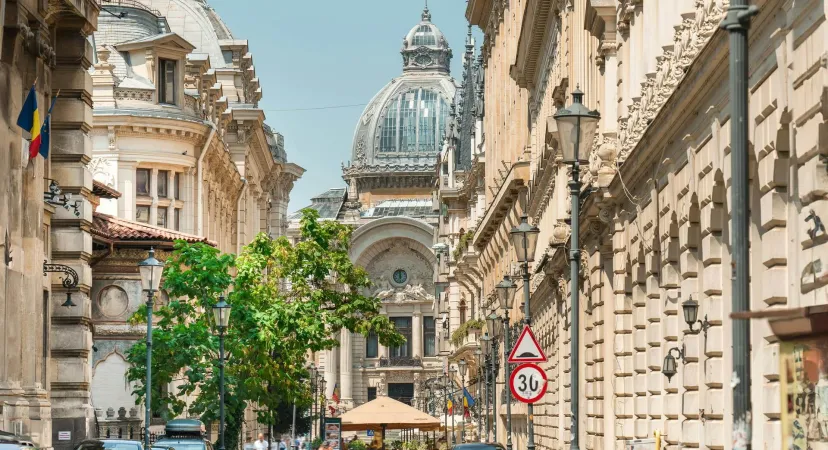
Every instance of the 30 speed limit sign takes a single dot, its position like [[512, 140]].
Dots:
[[528, 383]]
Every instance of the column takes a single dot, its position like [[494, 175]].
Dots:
[[346, 378], [330, 371], [153, 217], [71, 336], [417, 334]]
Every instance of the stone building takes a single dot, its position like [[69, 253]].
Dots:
[[655, 219], [388, 199], [180, 150], [44, 347]]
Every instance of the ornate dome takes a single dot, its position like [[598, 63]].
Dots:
[[403, 125]]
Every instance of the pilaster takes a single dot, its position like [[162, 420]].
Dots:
[[345, 367]]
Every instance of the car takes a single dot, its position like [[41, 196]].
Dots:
[[183, 434], [9, 441], [479, 446], [109, 444]]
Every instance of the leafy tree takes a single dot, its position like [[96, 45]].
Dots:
[[287, 301]]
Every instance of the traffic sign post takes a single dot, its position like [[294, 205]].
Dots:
[[527, 349], [528, 383]]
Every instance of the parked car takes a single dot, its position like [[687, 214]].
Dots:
[[9, 441], [183, 434], [109, 444]]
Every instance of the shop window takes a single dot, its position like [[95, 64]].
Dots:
[[166, 81], [163, 181], [142, 182], [142, 214]]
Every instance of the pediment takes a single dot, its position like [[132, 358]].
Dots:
[[166, 41]]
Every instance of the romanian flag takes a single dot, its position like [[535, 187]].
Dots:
[[468, 400], [336, 393], [29, 120], [450, 406]]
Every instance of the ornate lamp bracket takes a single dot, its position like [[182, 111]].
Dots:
[[69, 281], [56, 197]]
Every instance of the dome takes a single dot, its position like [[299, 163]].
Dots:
[[404, 124]]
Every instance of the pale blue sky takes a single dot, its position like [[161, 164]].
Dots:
[[322, 53]]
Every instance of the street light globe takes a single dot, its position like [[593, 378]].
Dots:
[[496, 325], [150, 270], [576, 129], [221, 314], [525, 240], [506, 293], [463, 367], [669, 366], [691, 311]]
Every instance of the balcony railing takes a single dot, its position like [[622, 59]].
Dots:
[[401, 361]]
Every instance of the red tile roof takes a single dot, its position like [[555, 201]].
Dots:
[[104, 191], [116, 229]]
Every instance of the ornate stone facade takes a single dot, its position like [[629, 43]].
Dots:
[[655, 216]]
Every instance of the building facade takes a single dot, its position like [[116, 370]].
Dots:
[[655, 216], [180, 142], [389, 199]]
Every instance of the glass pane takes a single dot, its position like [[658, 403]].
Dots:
[[388, 141], [163, 180], [372, 346], [372, 393], [162, 217], [428, 122], [177, 186], [142, 214], [142, 179], [429, 341], [178, 219], [168, 81], [408, 122], [403, 326]]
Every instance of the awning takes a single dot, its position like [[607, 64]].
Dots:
[[791, 323], [385, 412]]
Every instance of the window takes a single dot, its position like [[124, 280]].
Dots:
[[403, 326], [371, 345], [162, 217], [142, 182], [163, 181], [142, 214], [388, 142], [408, 122], [166, 81], [424, 36], [177, 186], [372, 393], [429, 341], [177, 219]]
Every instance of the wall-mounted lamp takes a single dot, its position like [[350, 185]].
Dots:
[[70, 281], [56, 197], [68, 303], [670, 364], [691, 315]]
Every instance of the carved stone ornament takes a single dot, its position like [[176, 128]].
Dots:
[[690, 37], [359, 156], [560, 233], [409, 293]]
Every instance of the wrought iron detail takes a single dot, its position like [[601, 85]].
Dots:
[[69, 281], [818, 228]]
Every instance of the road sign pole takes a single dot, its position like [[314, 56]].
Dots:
[[508, 376]]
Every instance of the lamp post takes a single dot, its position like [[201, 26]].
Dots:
[[487, 347], [463, 369], [312, 373], [478, 356], [576, 124], [506, 294], [150, 270], [323, 403], [452, 374], [493, 323], [221, 314]]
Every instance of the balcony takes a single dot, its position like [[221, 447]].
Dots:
[[401, 361]]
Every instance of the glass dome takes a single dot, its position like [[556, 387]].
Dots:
[[424, 35], [415, 121]]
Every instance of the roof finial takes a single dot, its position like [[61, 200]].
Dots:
[[426, 15]]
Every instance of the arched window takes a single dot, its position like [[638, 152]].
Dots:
[[424, 36], [415, 121]]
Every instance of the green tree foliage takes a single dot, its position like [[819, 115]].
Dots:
[[287, 301]]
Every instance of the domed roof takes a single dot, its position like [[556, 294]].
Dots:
[[403, 125]]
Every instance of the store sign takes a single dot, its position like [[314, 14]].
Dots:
[[804, 387], [64, 435], [333, 433]]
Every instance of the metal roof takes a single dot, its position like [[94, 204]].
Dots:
[[420, 207]]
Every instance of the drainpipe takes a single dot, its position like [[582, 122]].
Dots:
[[239, 216], [200, 182]]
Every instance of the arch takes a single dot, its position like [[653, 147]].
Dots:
[[368, 239], [110, 388]]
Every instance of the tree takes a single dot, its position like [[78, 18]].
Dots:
[[287, 300]]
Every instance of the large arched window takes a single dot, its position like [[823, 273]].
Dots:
[[414, 122], [424, 36]]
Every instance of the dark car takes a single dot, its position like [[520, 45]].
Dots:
[[109, 444], [183, 434], [479, 446]]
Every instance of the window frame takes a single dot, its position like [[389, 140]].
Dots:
[[429, 334], [408, 333], [163, 81], [148, 183], [161, 211], [177, 185], [372, 340], [142, 207], [165, 176]]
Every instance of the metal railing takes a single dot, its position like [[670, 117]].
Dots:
[[401, 361]]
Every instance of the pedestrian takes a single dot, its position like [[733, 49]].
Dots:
[[260, 443]]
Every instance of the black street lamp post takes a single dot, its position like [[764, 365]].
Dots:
[[463, 369], [478, 356], [323, 403], [494, 324], [487, 348], [506, 295], [150, 270], [221, 314], [576, 125], [452, 374]]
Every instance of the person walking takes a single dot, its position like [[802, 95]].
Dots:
[[260, 443]]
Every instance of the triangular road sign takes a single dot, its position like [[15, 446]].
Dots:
[[526, 348]]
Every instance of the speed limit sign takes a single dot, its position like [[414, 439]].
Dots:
[[528, 383]]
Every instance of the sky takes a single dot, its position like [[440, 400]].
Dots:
[[323, 53]]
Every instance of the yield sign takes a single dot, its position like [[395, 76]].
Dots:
[[526, 348]]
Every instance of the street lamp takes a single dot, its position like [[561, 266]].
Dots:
[[487, 349], [463, 371], [452, 374], [690, 308], [221, 315], [506, 293], [150, 270], [576, 125], [323, 404], [478, 357]]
